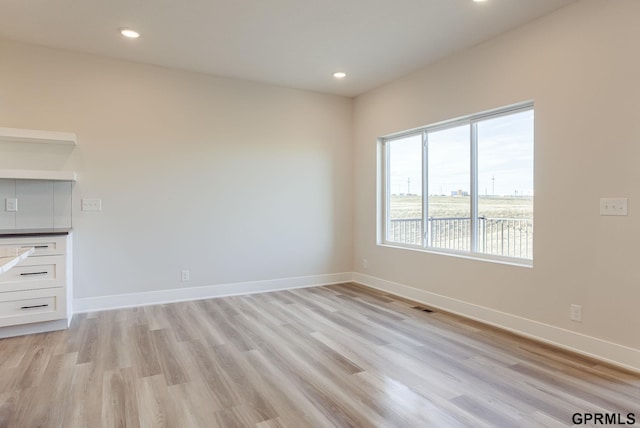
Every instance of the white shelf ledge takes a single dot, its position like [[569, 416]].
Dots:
[[36, 136], [24, 174]]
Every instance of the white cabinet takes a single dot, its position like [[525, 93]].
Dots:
[[31, 306], [38, 289]]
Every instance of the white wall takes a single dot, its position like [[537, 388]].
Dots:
[[235, 181], [581, 67]]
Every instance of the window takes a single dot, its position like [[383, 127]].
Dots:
[[463, 186]]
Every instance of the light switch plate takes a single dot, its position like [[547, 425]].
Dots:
[[11, 205], [613, 206], [91, 205]]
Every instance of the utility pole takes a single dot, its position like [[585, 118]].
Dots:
[[493, 185], [408, 186]]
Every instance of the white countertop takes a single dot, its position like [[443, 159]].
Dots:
[[9, 257]]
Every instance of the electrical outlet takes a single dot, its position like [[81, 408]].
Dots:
[[575, 313], [185, 275], [365, 264], [11, 205]]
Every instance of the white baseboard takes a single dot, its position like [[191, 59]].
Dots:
[[118, 301], [34, 328], [612, 353]]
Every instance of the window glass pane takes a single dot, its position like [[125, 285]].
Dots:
[[405, 190], [449, 187], [500, 190], [505, 185]]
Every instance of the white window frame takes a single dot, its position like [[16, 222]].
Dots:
[[385, 197]]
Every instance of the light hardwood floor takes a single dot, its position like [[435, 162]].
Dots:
[[339, 355]]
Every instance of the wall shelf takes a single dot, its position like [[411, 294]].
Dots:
[[36, 136], [24, 174]]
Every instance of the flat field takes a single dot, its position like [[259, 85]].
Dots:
[[458, 206]]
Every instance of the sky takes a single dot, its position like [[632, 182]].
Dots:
[[505, 158]]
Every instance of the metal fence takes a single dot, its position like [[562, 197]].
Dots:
[[406, 231], [511, 237]]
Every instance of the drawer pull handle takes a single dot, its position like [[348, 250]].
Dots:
[[35, 246], [33, 273], [35, 306]]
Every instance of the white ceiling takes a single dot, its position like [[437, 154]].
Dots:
[[294, 43]]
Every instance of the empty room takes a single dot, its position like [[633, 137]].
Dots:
[[319, 214]]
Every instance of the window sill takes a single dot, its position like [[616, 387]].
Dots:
[[511, 261]]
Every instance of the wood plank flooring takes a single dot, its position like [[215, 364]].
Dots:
[[340, 355]]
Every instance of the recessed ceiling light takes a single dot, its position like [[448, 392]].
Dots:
[[339, 75], [129, 33], [479, 1]]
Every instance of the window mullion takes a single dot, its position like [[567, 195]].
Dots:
[[387, 191], [474, 187], [426, 233]]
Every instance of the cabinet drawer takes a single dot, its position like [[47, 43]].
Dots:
[[35, 272], [23, 307], [44, 246]]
